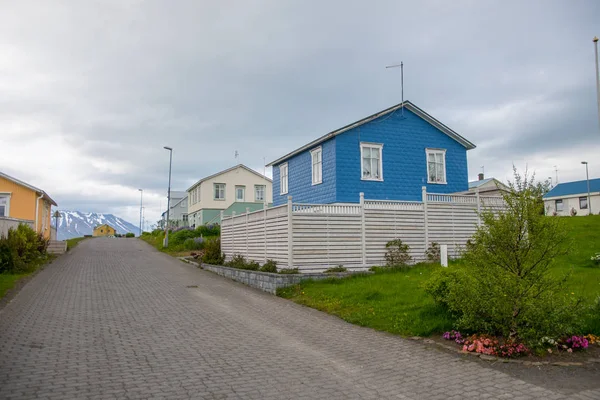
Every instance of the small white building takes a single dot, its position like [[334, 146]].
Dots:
[[487, 187], [233, 190], [567, 197]]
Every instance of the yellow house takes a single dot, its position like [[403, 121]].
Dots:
[[22, 201], [104, 230]]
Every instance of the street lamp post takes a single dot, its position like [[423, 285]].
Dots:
[[587, 177], [141, 204], [166, 242], [595, 40], [56, 217]]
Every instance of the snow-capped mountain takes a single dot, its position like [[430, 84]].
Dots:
[[76, 224]]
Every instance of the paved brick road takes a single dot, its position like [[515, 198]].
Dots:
[[114, 319]]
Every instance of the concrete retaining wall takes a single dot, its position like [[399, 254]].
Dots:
[[269, 282], [7, 223]]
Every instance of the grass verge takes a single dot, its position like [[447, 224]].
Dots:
[[394, 301], [391, 301], [73, 242]]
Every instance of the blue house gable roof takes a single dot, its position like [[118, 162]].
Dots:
[[573, 188], [407, 106], [403, 139]]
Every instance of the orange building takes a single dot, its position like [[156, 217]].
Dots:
[[104, 230], [22, 201]]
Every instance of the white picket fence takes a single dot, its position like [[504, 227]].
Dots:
[[318, 236]]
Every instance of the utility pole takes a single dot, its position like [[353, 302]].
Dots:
[[166, 242], [141, 206], [587, 177], [597, 77]]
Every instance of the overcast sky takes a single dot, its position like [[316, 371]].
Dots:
[[91, 91]]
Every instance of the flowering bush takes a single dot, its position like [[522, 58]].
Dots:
[[512, 349], [481, 344], [592, 339], [596, 258], [454, 335], [490, 345], [574, 343]]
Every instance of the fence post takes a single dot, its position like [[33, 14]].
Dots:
[[444, 255], [247, 212], [478, 207], [363, 241], [235, 233], [426, 222], [265, 230], [290, 233]]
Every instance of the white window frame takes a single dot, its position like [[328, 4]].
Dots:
[[243, 193], [7, 208], [379, 147], [264, 192], [562, 205], [436, 152], [284, 184], [215, 191], [313, 154]]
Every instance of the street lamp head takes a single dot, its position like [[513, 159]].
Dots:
[[584, 162], [168, 148], [141, 190]]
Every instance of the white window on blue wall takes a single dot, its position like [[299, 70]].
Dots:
[[371, 163], [316, 156], [436, 165], [219, 191], [283, 178]]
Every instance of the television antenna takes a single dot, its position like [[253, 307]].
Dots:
[[401, 65]]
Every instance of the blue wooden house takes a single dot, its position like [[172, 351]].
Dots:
[[389, 155]]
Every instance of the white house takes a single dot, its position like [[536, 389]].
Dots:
[[178, 211], [233, 190], [487, 187], [565, 197]]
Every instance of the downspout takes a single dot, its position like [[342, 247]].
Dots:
[[37, 204]]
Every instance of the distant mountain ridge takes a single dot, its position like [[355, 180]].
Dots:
[[77, 224]]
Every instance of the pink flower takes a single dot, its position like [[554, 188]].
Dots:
[[569, 350]]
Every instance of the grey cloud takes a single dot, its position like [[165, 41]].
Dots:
[[119, 80]]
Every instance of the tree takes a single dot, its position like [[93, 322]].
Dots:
[[504, 286]]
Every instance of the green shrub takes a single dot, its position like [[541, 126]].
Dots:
[[504, 285], [237, 261], [396, 255], [208, 230], [194, 243], [432, 254], [179, 237], [129, 235], [289, 271], [21, 250], [212, 252], [269, 266], [339, 268]]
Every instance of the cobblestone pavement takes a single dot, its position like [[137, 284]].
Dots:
[[115, 319]]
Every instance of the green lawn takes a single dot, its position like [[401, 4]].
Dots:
[[73, 242], [390, 301], [394, 301], [7, 282]]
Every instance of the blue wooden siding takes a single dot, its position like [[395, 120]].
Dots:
[[300, 185], [404, 140]]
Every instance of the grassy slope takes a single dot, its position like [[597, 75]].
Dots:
[[73, 242], [7, 282], [388, 301], [395, 302]]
